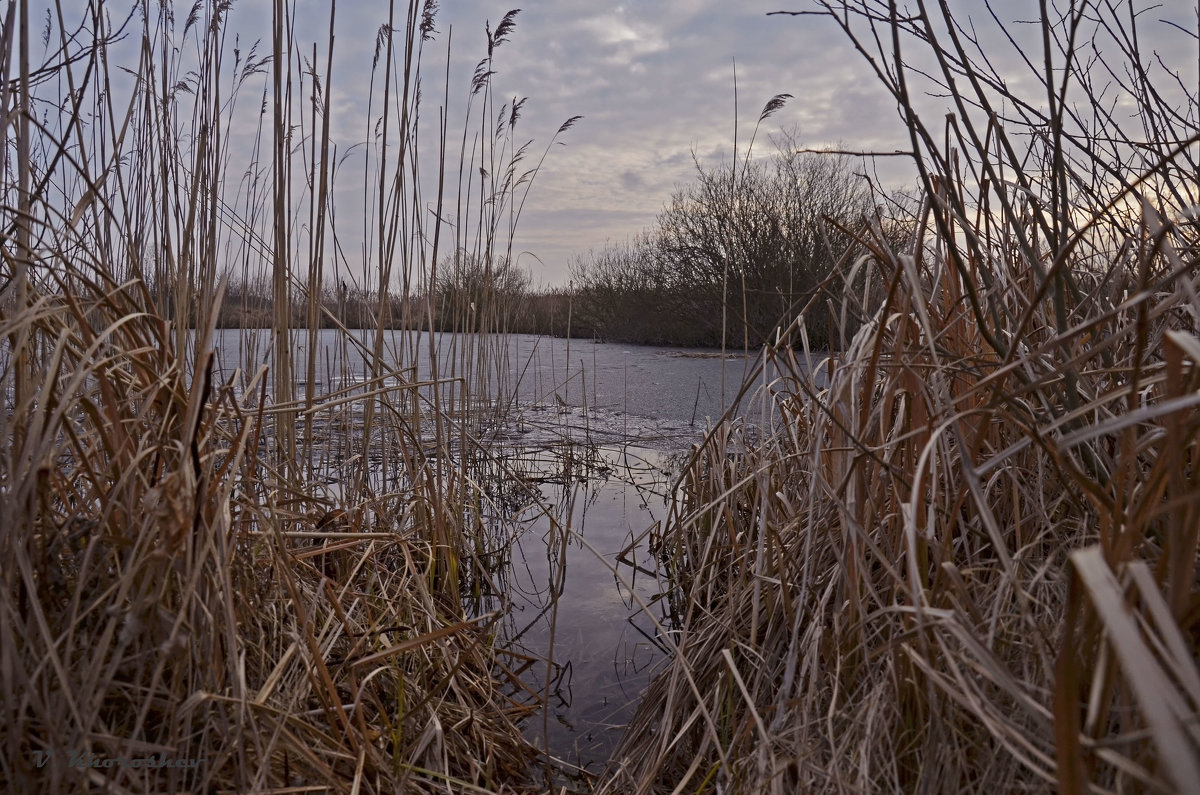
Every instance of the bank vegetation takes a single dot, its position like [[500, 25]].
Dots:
[[963, 557], [225, 580]]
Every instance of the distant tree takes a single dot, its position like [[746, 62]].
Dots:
[[625, 293], [478, 294], [734, 254]]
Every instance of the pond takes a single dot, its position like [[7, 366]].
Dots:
[[601, 430], [581, 586]]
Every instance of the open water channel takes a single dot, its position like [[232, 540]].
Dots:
[[600, 429]]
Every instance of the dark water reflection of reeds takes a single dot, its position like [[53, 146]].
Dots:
[[577, 600]]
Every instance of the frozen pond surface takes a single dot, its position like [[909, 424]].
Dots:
[[630, 392]]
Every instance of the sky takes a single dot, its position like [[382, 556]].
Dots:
[[654, 82], [655, 79]]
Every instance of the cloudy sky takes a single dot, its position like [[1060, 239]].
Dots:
[[654, 83], [653, 80]]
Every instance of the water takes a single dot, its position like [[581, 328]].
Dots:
[[599, 428], [580, 600], [635, 391]]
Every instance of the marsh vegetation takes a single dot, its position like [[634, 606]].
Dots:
[[958, 553]]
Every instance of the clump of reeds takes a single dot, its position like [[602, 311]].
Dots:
[[185, 605], [964, 556], [155, 608]]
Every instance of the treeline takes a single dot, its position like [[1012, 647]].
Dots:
[[732, 256], [470, 297]]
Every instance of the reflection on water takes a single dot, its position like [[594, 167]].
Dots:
[[578, 601]]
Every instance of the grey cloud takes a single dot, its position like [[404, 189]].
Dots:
[[632, 181]]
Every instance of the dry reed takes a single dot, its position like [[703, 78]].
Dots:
[[187, 605], [963, 555]]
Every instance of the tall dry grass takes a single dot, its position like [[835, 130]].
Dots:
[[183, 582], [963, 555]]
